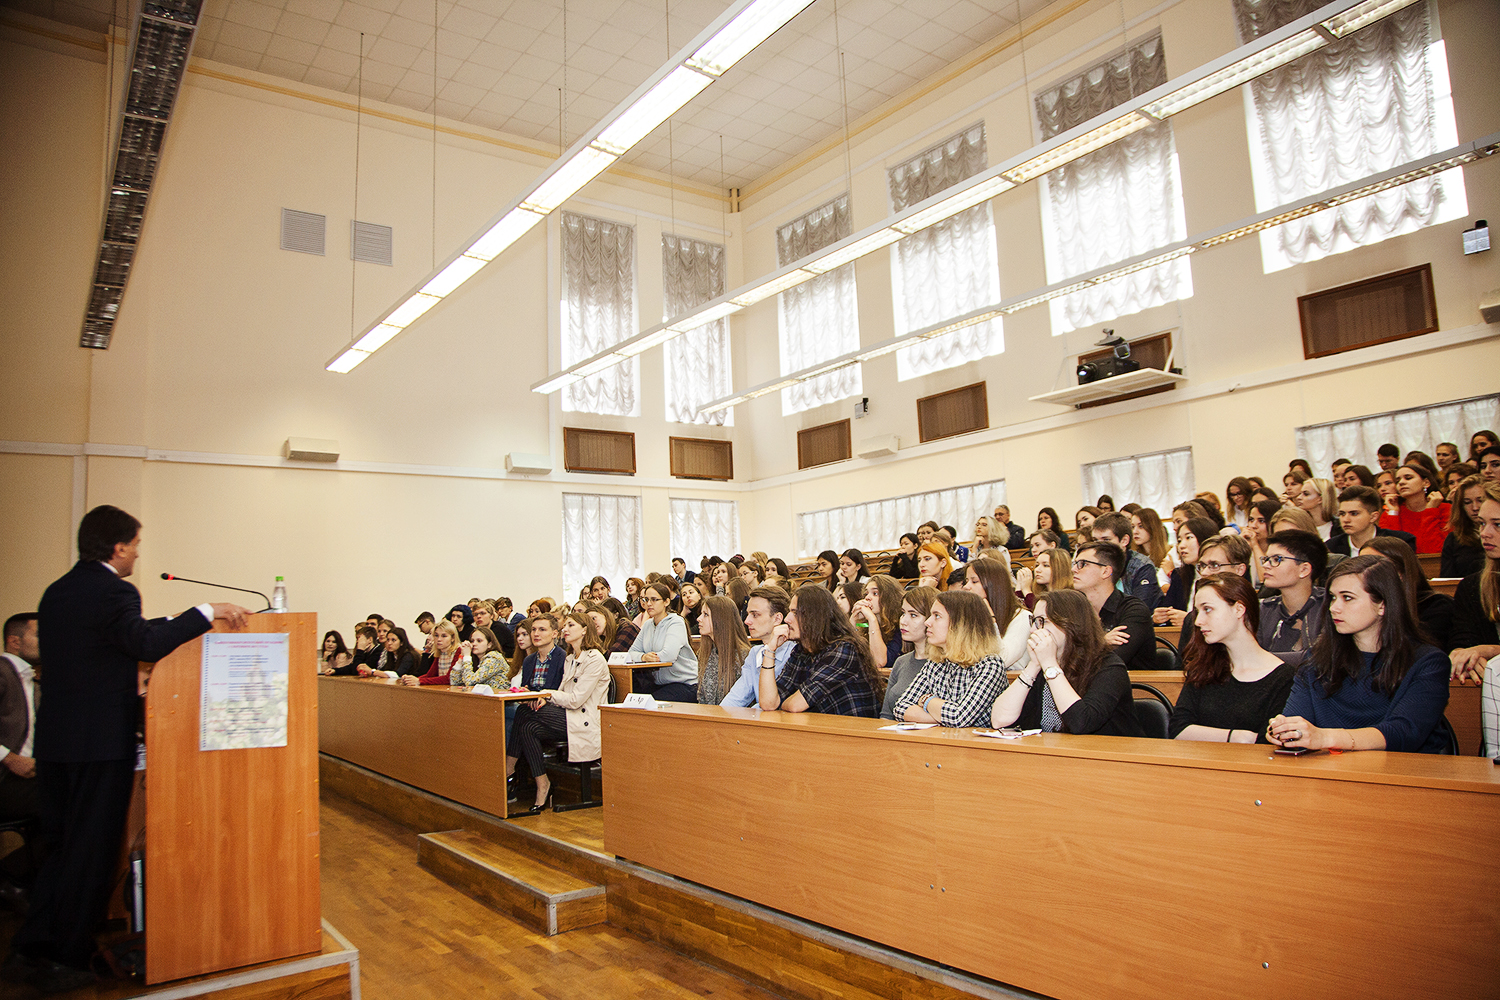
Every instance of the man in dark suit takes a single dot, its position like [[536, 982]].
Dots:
[[681, 573], [1015, 535], [92, 638], [1359, 516]]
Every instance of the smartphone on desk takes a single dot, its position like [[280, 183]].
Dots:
[[1295, 751]]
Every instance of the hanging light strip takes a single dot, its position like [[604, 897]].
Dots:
[[693, 68], [1427, 166], [1266, 53]]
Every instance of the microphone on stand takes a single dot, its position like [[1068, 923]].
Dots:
[[222, 586]]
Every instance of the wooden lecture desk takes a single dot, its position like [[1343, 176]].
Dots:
[[1080, 866]]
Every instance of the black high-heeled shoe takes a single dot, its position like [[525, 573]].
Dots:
[[536, 810]]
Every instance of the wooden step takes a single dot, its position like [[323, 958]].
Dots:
[[541, 897]]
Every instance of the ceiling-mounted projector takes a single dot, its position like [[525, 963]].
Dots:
[[1118, 363]]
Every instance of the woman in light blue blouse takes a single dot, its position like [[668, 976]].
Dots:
[[664, 639]]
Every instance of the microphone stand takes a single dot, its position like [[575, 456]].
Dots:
[[221, 586]]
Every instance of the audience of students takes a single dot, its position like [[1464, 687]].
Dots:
[[964, 673]]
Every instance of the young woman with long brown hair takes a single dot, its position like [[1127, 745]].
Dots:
[[916, 607], [830, 671], [724, 633], [964, 672]]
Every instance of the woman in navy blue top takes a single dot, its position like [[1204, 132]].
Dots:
[[1371, 683]]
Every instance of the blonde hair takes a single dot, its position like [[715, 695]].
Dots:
[[1295, 516], [971, 630], [454, 644]]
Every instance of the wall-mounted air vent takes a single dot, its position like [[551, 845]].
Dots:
[[304, 232], [370, 243]]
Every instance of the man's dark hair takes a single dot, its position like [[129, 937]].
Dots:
[[952, 531], [1363, 494], [1305, 546], [375, 615], [778, 599], [1362, 473], [426, 616], [1109, 553], [1388, 451], [1118, 524], [16, 624], [1340, 461], [101, 530], [614, 605]]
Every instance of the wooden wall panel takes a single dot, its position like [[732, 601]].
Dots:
[[701, 458], [823, 444], [231, 835]]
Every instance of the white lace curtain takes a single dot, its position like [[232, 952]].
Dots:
[[948, 269], [819, 319], [598, 310], [880, 524], [697, 365], [704, 528], [1161, 480], [1419, 429], [1116, 203], [1365, 103], [601, 537]]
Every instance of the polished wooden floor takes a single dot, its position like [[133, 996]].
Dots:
[[419, 938], [581, 827]]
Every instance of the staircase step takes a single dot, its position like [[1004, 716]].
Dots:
[[544, 898]]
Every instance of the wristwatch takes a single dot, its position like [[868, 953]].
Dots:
[[1051, 673]]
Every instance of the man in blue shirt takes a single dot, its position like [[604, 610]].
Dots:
[[764, 610], [1139, 579]]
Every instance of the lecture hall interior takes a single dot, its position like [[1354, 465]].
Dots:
[[409, 301]]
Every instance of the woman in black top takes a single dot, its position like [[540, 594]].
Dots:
[[904, 565], [1046, 520], [1462, 553], [852, 567], [692, 606], [1476, 605], [1073, 682], [462, 617], [1194, 532], [335, 655], [1231, 686], [1434, 611]]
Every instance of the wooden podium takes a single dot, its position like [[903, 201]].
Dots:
[[231, 835]]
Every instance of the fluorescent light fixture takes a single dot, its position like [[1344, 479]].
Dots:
[[723, 404], [959, 201], [376, 338], [838, 258], [409, 311], [1077, 147], [346, 362], [1400, 179], [775, 286], [556, 382], [585, 165], [1255, 227], [750, 27], [882, 349], [644, 343], [828, 367], [958, 324], [1142, 265], [1237, 72], [1358, 16], [515, 224], [1047, 296], [597, 365], [455, 274], [703, 316], [785, 383], [655, 106]]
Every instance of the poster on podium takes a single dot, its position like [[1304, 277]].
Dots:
[[244, 691]]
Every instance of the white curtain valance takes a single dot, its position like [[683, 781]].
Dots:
[[1422, 428], [880, 524], [1160, 481], [696, 365], [598, 310], [601, 537], [701, 528], [819, 319]]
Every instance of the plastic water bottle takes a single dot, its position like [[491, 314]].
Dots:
[[278, 595]]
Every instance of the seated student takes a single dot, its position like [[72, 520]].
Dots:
[[522, 630], [1231, 686], [568, 712], [633, 587], [1371, 683], [852, 567], [1359, 475], [1480, 442], [664, 639], [691, 600], [964, 673], [1257, 529], [1053, 571], [1388, 456], [904, 563], [400, 659], [1041, 541], [1317, 497], [752, 573], [1148, 536], [461, 616], [766, 609], [1292, 482], [1083, 524], [542, 668], [506, 609], [1462, 553], [1086, 689], [1105, 503], [487, 615], [447, 652], [989, 537], [916, 607], [485, 663], [830, 671], [366, 653], [1046, 520], [1434, 611], [1126, 621], [1223, 553], [1289, 622], [1476, 608], [925, 531], [1190, 538], [1488, 463], [1139, 577], [933, 566], [1455, 474], [958, 553], [1014, 536], [335, 656], [1359, 517], [623, 631], [1420, 515], [728, 644], [1447, 454], [988, 578], [878, 612]]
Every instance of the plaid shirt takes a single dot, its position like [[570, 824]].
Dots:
[[833, 682], [968, 693]]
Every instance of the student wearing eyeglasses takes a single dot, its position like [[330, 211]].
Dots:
[[1289, 621], [1224, 553], [664, 639], [1126, 621]]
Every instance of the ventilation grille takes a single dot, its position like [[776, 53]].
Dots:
[[1391, 307], [164, 33], [702, 458], [303, 232], [1151, 352], [587, 450], [370, 243], [823, 444], [957, 411]]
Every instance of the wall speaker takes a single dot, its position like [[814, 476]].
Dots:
[[879, 447], [527, 464], [311, 450]]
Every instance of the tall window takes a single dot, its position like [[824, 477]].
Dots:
[[598, 310], [819, 319], [880, 524], [601, 537], [1372, 100], [704, 528], [947, 269], [1160, 480], [1116, 203], [696, 363], [1419, 429]]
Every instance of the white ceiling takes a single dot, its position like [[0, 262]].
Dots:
[[500, 63]]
